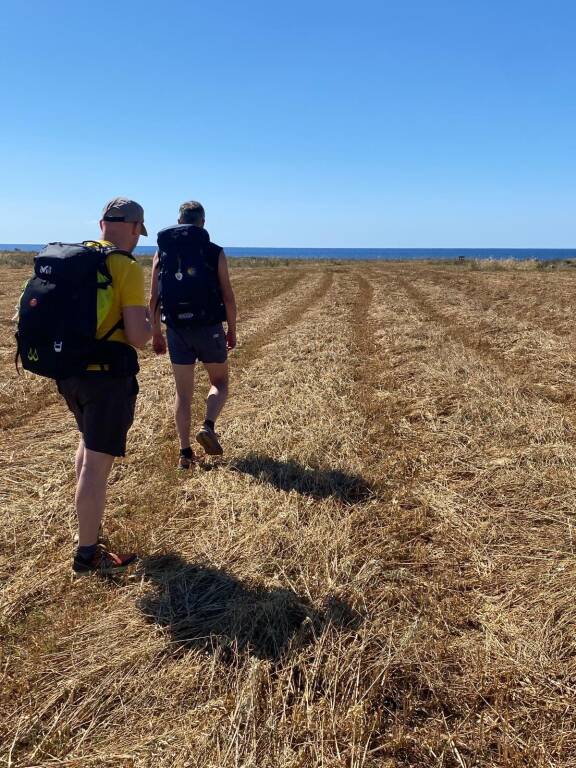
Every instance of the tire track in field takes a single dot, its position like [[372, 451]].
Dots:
[[29, 448], [372, 376], [40, 454], [393, 467], [532, 298], [394, 537], [463, 489], [484, 300], [285, 309], [159, 492], [363, 364], [403, 530], [40, 436], [180, 504], [299, 320], [251, 349], [45, 395], [252, 295], [466, 336], [459, 333], [163, 440]]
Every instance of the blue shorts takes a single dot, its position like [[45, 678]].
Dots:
[[206, 343]]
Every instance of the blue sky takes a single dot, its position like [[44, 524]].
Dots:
[[366, 124]]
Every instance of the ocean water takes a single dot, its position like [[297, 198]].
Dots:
[[372, 254]]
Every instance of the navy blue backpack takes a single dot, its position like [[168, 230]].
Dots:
[[189, 289]]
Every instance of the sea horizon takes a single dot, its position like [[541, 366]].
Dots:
[[361, 254]]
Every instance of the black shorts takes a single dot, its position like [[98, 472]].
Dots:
[[206, 343], [104, 409]]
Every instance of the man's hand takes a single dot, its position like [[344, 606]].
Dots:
[[230, 338], [159, 343]]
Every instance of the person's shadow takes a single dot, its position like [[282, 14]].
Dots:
[[319, 483], [207, 609]]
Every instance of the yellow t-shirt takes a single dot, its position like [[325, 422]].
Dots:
[[127, 290]]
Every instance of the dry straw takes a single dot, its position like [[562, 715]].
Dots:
[[380, 573]]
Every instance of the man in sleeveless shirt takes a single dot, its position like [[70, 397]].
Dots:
[[204, 341]]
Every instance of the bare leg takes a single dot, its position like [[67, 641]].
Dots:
[[218, 394], [184, 378], [79, 460], [91, 495]]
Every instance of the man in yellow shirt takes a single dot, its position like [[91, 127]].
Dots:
[[103, 402]]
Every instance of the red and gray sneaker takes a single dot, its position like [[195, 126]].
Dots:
[[208, 439], [104, 563]]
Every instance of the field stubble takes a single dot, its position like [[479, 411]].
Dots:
[[380, 573]]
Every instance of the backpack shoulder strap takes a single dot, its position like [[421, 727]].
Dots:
[[116, 327], [107, 250], [113, 249]]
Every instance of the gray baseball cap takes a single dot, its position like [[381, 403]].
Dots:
[[123, 209]]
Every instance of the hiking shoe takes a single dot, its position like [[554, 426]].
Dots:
[[208, 439], [104, 563], [102, 538]]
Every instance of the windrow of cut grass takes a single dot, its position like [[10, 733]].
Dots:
[[37, 443], [544, 299], [379, 573], [531, 350], [491, 474], [221, 529]]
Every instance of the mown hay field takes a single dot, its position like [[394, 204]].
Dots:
[[381, 572]]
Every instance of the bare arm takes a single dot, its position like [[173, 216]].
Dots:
[[137, 328], [154, 304], [158, 340], [227, 291]]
